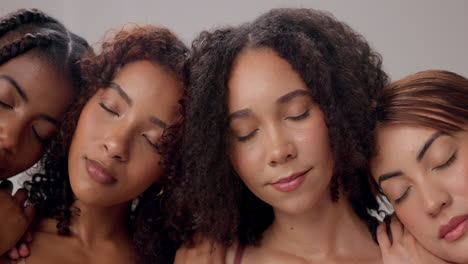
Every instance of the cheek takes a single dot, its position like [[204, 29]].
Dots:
[[456, 179], [87, 131], [247, 158], [312, 141], [28, 155], [143, 171], [413, 219]]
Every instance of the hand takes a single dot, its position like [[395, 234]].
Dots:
[[205, 251], [400, 247], [21, 249], [16, 218]]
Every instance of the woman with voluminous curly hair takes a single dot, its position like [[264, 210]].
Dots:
[[101, 197], [421, 164], [277, 134]]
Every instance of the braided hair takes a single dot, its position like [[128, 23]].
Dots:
[[32, 29]]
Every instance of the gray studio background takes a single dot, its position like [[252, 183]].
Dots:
[[411, 35]]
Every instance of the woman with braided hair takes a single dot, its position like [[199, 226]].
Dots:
[[101, 197], [39, 77]]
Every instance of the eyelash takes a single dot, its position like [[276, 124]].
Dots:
[[39, 138], [299, 117], [249, 136], [447, 163], [397, 201], [293, 118], [154, 146], [108, 109], [9, 107]]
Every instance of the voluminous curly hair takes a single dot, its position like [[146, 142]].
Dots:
[[344, 75], [33, 30], [51, 191]]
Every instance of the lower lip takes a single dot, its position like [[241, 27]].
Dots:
[[457, 232], [97, 174], [290, 185]]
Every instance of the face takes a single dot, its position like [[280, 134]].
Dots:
[[279, 143], [113, 156], [33, 99], [424, 173]]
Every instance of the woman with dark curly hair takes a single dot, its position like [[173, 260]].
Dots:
[[421, 164], [39, 77], [278, 131], [113, 149]]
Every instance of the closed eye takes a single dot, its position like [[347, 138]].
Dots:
[[299, 117], [403, 196], [5, 105], [38, 137], [247, 137], [153, 145], [447, 163], [103, 106]]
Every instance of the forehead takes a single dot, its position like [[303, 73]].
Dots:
[[48, 91], [261, 75], [399, 144], [149, 84]]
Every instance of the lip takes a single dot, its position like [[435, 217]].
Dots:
[[290, 183], [99, 173], [454, 229]]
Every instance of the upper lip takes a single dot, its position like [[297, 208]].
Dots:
[[102, 167], [291, 177], [452, 224]]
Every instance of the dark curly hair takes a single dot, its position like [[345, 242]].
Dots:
[[344, 75], [32, 30], [51, 191]]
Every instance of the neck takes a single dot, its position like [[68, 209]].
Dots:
[[94, 224], [329, 230]]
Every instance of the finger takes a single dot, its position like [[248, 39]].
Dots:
[[13, 254], [382, 237], [21, 196], [397, 230], [28, 237], [23, 250], [6, 185], [29, 212]]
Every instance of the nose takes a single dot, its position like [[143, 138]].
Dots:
[[10, 136], [280, 147], [434, 197], [116, 144]]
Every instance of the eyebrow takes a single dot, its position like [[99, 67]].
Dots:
[[428, 144], [158, 122], [239, 114], [289, 96], [50, 119], [282, 100], [389, 175], [121, 92], [16, 85], [420, 156]]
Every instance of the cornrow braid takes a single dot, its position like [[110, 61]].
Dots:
[[32, 29], [29, 41], [25, 16]]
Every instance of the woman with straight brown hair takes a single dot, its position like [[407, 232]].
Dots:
[[421, 165]]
